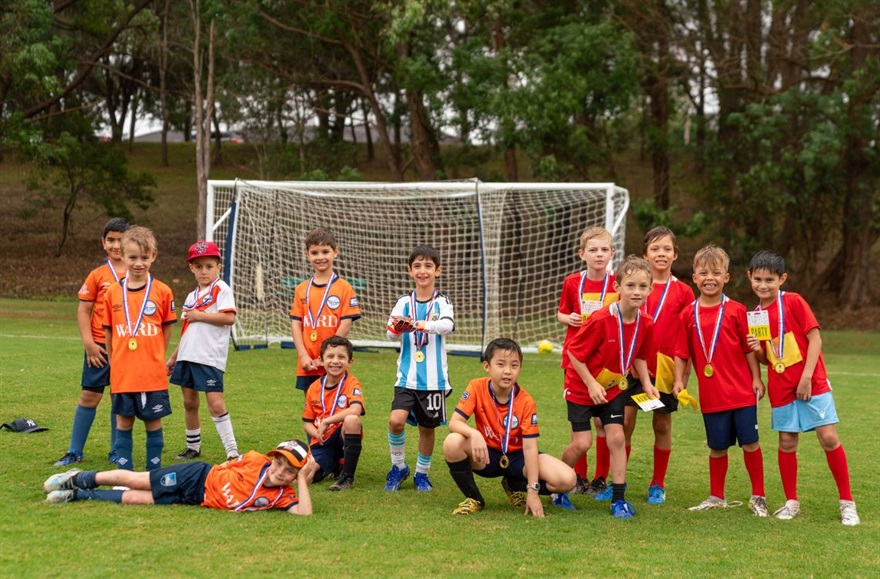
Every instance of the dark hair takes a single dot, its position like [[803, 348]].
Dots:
[[424, 252], [656, 233], [321, 236], [503, 345], [769, 260], [632, 265], [334, 341], [117, 225]]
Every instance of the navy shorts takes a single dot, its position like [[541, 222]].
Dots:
[[426, 407], [95, 379], [181, 484], [199, 377], [724, 429], [579, 415], [143, 405], [515, 470], [670, 402], [328, 453], [303, 382]]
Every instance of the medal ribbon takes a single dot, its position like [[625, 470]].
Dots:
[[133, 332], [421, 338], [206, 301], [711, 353], [663, 297], [581, 290], [313, 319], [625, 362], [781, 311], [113, 271], [338, 392], [506, 442]]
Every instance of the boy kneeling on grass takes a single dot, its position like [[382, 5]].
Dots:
[[251, 482]]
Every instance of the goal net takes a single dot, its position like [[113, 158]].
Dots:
[[505, 249]]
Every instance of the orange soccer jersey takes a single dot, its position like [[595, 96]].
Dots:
[[340, 397], [93, 289], [341, 303], [490, 417], [237, 485], [141, 369]]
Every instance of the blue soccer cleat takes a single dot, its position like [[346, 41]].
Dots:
[[607, 493], [622, 510], [562, 501], [423, 485], [69, 458], [395, 477], [64, 481], [656, 495]]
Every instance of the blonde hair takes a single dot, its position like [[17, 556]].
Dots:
[[630, 266], [595, 233], [142, 237], [711, 255]]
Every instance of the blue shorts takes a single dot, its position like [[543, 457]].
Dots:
[[199, 377], [805, 415], [328, 453], [724, 428], [303, 382], [515, 470], [579, 415], [95, 379], [143, 405], [181, 484]]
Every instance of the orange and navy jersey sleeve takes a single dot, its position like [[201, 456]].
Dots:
[[93, 289], [490, 417], [239, 485], [348, 302]]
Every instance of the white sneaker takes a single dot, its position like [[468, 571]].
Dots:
[[709, 504], [788, 511], [758, 505], [62, 496], [848, 514]]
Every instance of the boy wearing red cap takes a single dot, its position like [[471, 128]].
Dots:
[[198, 363], [251, 482]]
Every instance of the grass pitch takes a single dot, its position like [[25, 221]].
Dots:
[[369, 532]]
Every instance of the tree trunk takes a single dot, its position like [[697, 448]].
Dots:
[[204, 106]]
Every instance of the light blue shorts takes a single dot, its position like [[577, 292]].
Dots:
[[804, 416]]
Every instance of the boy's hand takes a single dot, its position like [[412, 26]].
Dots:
[[479, 450], [758, 387], [677, 387], [307, 363], [805, 388], [95, 356], [322, 428], [169, 366], [534, 505], [597, 393], [400, 325], [651, 390], [753, 343], [575, 319]]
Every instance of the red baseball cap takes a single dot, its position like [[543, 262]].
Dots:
[[203, 249]]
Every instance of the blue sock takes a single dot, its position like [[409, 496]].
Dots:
[[124, 447], [112, 429], [155, 444], [86, 479], [113, 496], [82, 423]]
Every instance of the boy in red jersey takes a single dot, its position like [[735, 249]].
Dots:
[[89, 318], [614, 339], [582, 294], [251, 482], [800, 393], [715, 341], [324, 305], [137, 313], [504, 440], [332, 414], [668, 298]]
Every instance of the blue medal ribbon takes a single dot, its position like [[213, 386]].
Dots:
[[663, 297], [581, 290], [711, 352], [133, 332], [113, 271], [313, 318], [625, 362], [421, 338], [506, 442]]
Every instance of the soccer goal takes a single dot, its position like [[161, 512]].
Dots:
[[505, 249]]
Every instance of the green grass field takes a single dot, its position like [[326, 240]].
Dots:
[[368, 532]]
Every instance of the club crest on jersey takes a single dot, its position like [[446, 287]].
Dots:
[[169, 480], [515, 422], [150, 308], [333, 302], [342, 401], [261, 502]]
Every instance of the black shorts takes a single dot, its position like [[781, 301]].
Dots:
[[143, 405], [670, 402], [181, 484], [427, 406], [610, 413], [303, 382], [328, 453], [95, 379], [514, 470]]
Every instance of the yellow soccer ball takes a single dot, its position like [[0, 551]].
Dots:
[[545, 347]]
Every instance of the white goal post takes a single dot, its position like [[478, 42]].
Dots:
[[505, 249]]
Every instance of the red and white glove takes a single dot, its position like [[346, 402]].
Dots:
[[399, 325]]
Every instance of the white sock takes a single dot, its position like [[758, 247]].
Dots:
[[224, 429], [397, 444]]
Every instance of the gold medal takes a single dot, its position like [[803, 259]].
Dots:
[[132, 345], [504, 462], [313, 336], [420, 356], [708, 371], [779, 367]]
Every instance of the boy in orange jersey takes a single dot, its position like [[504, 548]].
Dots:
[[323, 306], [251, 482], [504, 440], [137, 313], [614, 339], [332, 414], [800, 393], [89, 318], [582, 294], [667, 299], [715, 341]]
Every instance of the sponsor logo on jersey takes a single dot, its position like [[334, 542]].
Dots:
[[333, 302], [158, 408], [169, 480], [144, 330], [150, 308]]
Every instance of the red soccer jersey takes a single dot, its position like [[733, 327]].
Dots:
[[333, 400], [799, 320], [93, 290], [490, 417], [730, 386], [341, 304], [141, 369], [597, 345], [237, 485], [590, 296], [667, 328]]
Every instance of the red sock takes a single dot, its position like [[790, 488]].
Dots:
[[755, 465], [840, 470], [603, 458], [788, 467], [661, 464], [717, 475], [628, 450], [581, 466]]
